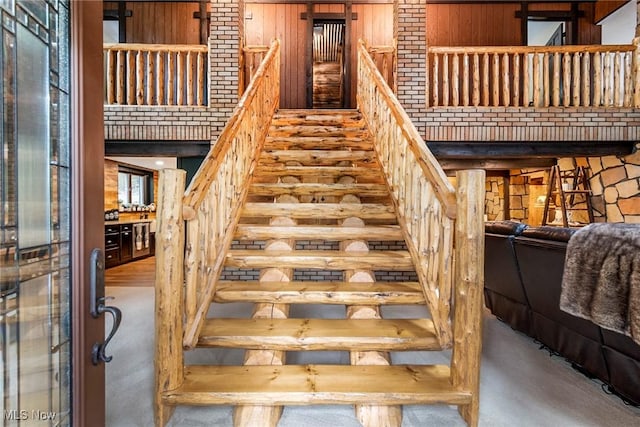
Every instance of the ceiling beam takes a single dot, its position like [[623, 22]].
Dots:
[[526, 150], [156, 148], [495, 165]]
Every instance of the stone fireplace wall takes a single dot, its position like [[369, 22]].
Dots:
[[614, 183]]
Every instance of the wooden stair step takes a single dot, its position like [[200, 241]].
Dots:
[[312, 130], [316, 384], [348, 293], [306, 118], [323, 260], [316, 143], [316, 157], [319, 171], [320, 334], [330, 233], [320, 210], [304, 189]]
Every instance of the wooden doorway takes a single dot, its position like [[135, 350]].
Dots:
[[328, 63]]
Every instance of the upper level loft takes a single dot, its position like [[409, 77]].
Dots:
[[473, 72]]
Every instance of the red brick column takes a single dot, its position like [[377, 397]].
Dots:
[[224, 47], [410, 32]]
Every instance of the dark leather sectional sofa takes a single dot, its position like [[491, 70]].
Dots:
[[523, 277]]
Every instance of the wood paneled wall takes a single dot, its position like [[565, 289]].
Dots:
[[604, 8], [375, 25], [494, 24], [110, 184], [473, 25], [282, 21], [161, 22]]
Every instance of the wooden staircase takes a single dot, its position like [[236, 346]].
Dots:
[[275, 185]]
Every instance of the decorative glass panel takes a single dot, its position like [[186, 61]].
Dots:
[[33, 141]]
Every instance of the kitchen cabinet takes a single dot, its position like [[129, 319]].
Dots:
[[111, 245], [126, 243], [120, 242]]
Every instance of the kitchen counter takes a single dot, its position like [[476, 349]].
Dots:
[[127, 221]]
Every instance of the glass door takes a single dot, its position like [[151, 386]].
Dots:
[[37, 328]]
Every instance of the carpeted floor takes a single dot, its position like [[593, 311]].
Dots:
[[520, 384]]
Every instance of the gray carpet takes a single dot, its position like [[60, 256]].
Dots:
[[520, 384]]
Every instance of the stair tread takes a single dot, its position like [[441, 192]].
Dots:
[[322, 259], [320, 292], [317, 157], [318, 171], [319, 130], [324, 232], [266, 189], [323, 143], [320, 334], [320, 210], [316, 384]]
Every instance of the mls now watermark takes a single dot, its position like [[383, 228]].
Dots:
[[24, 415]]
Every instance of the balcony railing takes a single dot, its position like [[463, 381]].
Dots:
[[558, 76], [145, 74]]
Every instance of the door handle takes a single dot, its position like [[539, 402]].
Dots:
[[97, 306]]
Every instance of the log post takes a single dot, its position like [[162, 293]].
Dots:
[[169, 363], [455, 79], [617, 79], [180, 80], [190, 77], [485, 79], [111, 76], [516, 79], [151, 77], [628, 81], [469, 280], [476, 80], [368, 415], [536, 80], [171, 72], [576, 80], [131, 80], [161, 93], [201, 78], [636, 71], [140, 77], [556, 80], [436, 81], [445, 80], [607, 80], [495, 84], [506, 93], [566, 79], [586, 80], [546, 91], [597, 79], [526, 79]]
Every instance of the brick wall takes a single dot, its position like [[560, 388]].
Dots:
[[128, 122], [531, 124], [318, 275], [409, 31], [224, 47]]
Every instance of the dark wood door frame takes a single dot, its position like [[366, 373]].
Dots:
[[347, 16], [87, 201]]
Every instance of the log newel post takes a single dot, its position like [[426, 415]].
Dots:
[[636, 72], [170, 238], [468, 293]]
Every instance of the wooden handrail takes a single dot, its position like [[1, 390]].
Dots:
[[251, 57], [424, 198], [531, 49], [538, 76], [153, 74], [211, 203]]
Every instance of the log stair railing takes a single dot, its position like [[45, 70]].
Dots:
[[321, 177]]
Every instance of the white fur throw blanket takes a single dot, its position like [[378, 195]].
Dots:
[[601, 279]]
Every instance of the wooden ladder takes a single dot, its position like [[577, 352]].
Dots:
[[318, 181], [569, 191]]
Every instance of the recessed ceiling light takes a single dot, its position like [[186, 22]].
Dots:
[[159, 162]]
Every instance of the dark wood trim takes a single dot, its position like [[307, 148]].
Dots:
[[524, 150], [123, 14], [87, 199], [524, 24], [489, 164], [157, 148], [551, 15], [204, 21], [329, 16], [346, 87]]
